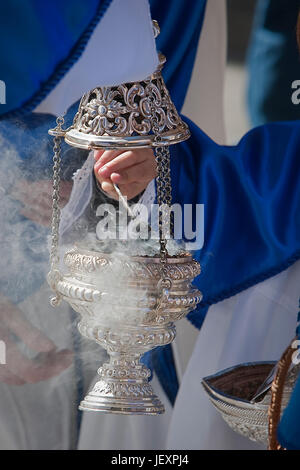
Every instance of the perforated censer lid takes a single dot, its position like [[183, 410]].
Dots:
[[120, 116]]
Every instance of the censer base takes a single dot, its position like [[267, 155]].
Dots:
[[96, 401]]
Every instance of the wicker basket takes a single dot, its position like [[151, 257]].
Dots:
[[231, 392]]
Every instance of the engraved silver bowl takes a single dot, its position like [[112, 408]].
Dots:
[[151, 299], [231, 391]]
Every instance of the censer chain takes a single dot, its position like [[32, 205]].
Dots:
[[54, 274], [164, 200], [163, 183]]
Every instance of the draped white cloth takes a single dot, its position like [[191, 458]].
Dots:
[[121, 49]]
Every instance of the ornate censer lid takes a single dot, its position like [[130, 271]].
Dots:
[[121, 116]]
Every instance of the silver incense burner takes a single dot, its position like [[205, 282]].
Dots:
[[158, 288]]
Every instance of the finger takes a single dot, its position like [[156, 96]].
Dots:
[[107, 156], [45, 366], [108, 187], [98, 154], [65, 190], [6, 375], [39, 192], [142, 172], [31, 197], [50, 365], [13, 319], [9, 378], [132, 190], [38, 202], [100, 179], [37, 217], [97, 174], [14, 361], [37, 187], [122, 161]]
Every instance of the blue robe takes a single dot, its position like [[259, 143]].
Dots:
[[251, 194], [42, 41]]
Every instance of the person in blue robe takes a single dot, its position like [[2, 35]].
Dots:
[[251, 189]]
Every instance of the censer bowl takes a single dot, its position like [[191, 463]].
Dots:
[[128, 305], [231, 392]]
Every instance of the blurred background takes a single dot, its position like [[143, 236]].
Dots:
[[240, 15], [262, 63]]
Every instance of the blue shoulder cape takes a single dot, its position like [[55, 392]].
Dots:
[[251, 197], [41, 40]]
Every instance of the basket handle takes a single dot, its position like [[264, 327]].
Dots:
[[277, 389]]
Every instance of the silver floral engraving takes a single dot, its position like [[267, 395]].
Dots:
[[125, 109], [122, 116]]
